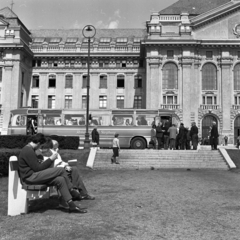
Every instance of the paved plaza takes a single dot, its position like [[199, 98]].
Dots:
[[137, 205]]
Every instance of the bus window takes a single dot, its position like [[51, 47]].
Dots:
[[145, 120], [19, 120], [74, 119], [51, 120], [122, 120], [103, 120]]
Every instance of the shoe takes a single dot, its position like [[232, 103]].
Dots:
[[75, 195], [87, 197], [77, 210], [117, 162], [63, 204], [111, 160]]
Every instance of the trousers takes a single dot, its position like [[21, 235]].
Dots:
[[53, 176], [77, 181]]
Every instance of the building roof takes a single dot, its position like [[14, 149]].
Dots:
[[193, 7], [64, 34], [8, 13]]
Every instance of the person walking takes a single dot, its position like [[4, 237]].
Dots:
[[159, 135], [182, 136], [172, 136], [95, 136], [166, 134], [214, 136], [116, 149], [153, 136], [194, 135]]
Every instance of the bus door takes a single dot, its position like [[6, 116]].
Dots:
[[32, 125]]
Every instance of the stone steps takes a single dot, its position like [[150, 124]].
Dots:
[[159, 159]]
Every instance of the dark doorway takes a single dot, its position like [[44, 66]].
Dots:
[[206, 127], [236, 129]]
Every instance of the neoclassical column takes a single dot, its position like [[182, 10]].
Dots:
[[43, 90], [153, 89], [129, 90], [112, 87], [60, 86]]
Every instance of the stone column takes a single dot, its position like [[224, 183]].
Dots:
[[112, 86], [43, 87], [60, 86], [129, 90], [77, 86]]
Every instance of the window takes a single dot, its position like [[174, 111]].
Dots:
[[68, 81], [209, 77], [170, 76], [209, 54], [141, 63], [138, 81], [120, 81], [35, 99], [137, 102], [35, 81], [124, 64], [84, 102], [1, 73], [39, 63], [51, 102], [209, 100], [55, 63], [237, 99], [23, 75], [84, 81], [102, 101], [68, 101], [120, 101], [238, 54], [103, 81], [170, 53], [169, 99], [237, 77], [52, 81]]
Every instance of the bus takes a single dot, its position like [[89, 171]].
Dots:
[[132, 125]]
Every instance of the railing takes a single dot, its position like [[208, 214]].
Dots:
[[170, 18], [169, 106], [103, 49], [236, 107], [37, 49], [69, 49], [209, 107], [53, 49], [121, 49]]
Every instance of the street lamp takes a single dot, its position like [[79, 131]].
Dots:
[[88, 32]]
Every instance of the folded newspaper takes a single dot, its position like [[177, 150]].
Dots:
[[72, 162]]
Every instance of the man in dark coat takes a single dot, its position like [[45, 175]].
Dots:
[[95, 136], [182, 136], [159, 135], [194, 135], [214, 136]]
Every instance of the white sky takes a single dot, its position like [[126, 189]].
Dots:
[[57, 14]]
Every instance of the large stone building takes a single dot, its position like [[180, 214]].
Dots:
[[186, 59]]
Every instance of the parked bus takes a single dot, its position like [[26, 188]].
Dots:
[[132, 125]]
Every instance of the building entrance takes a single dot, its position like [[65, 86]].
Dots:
[[206, 127], [236, 129]]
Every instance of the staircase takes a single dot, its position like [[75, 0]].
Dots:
[[160, 159]]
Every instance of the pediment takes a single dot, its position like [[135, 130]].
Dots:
[[3, 23], [221, 24]]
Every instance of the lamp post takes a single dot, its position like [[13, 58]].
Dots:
[[88, 32]]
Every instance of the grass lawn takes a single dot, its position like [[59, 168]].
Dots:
[[235, 156]]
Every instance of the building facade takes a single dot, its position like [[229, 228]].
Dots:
[[186, 59]]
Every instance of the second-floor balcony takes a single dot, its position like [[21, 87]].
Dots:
[[209, 107], [236, 107], [169, 106]]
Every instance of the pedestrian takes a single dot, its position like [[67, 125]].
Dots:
[[226, 140], [116, 149], [182, 136], [214, 136], [32, 171], [95, 137], [159, 135], [172, 136], [188, 139], [166, 134], [153, 136], [194, 135]]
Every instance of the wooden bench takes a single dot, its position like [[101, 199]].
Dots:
[[19, 193]]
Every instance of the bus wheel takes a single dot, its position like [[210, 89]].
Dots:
[[138, 143]]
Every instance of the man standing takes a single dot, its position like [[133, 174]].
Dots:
[[159, 134], [194, 135], [214, 136], [166, 134], [32, 171], [153, 136], [172, 136]]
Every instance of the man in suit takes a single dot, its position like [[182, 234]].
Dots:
[[214, 136], [159, 134], [194, 135], [172, 135]]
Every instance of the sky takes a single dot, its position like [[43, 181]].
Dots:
[[75, 14]]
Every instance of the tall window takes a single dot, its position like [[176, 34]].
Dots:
[[84, 102], [209, 77], [35, 81], [69, 81], [138, 81], [170, 76], [35, 99], [209, 99], [52, 81], [102, 101], [209, 54], [120, 101], [68, 101], [51, 102], [169, 99], [1, 73], [84, 81], [237, 77], [120, 81], [103, 81], [137, 102], [170, 54]]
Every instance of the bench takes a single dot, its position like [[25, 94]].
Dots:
[[19, 193]]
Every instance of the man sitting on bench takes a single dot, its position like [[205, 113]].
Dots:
[[34, 172]]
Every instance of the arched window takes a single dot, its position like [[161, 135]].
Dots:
[[209, 77], [237, 77], [170, 76]]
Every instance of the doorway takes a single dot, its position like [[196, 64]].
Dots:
[[236, 128], [206, 124]]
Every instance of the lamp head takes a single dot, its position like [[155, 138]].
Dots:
[[89, 31]]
